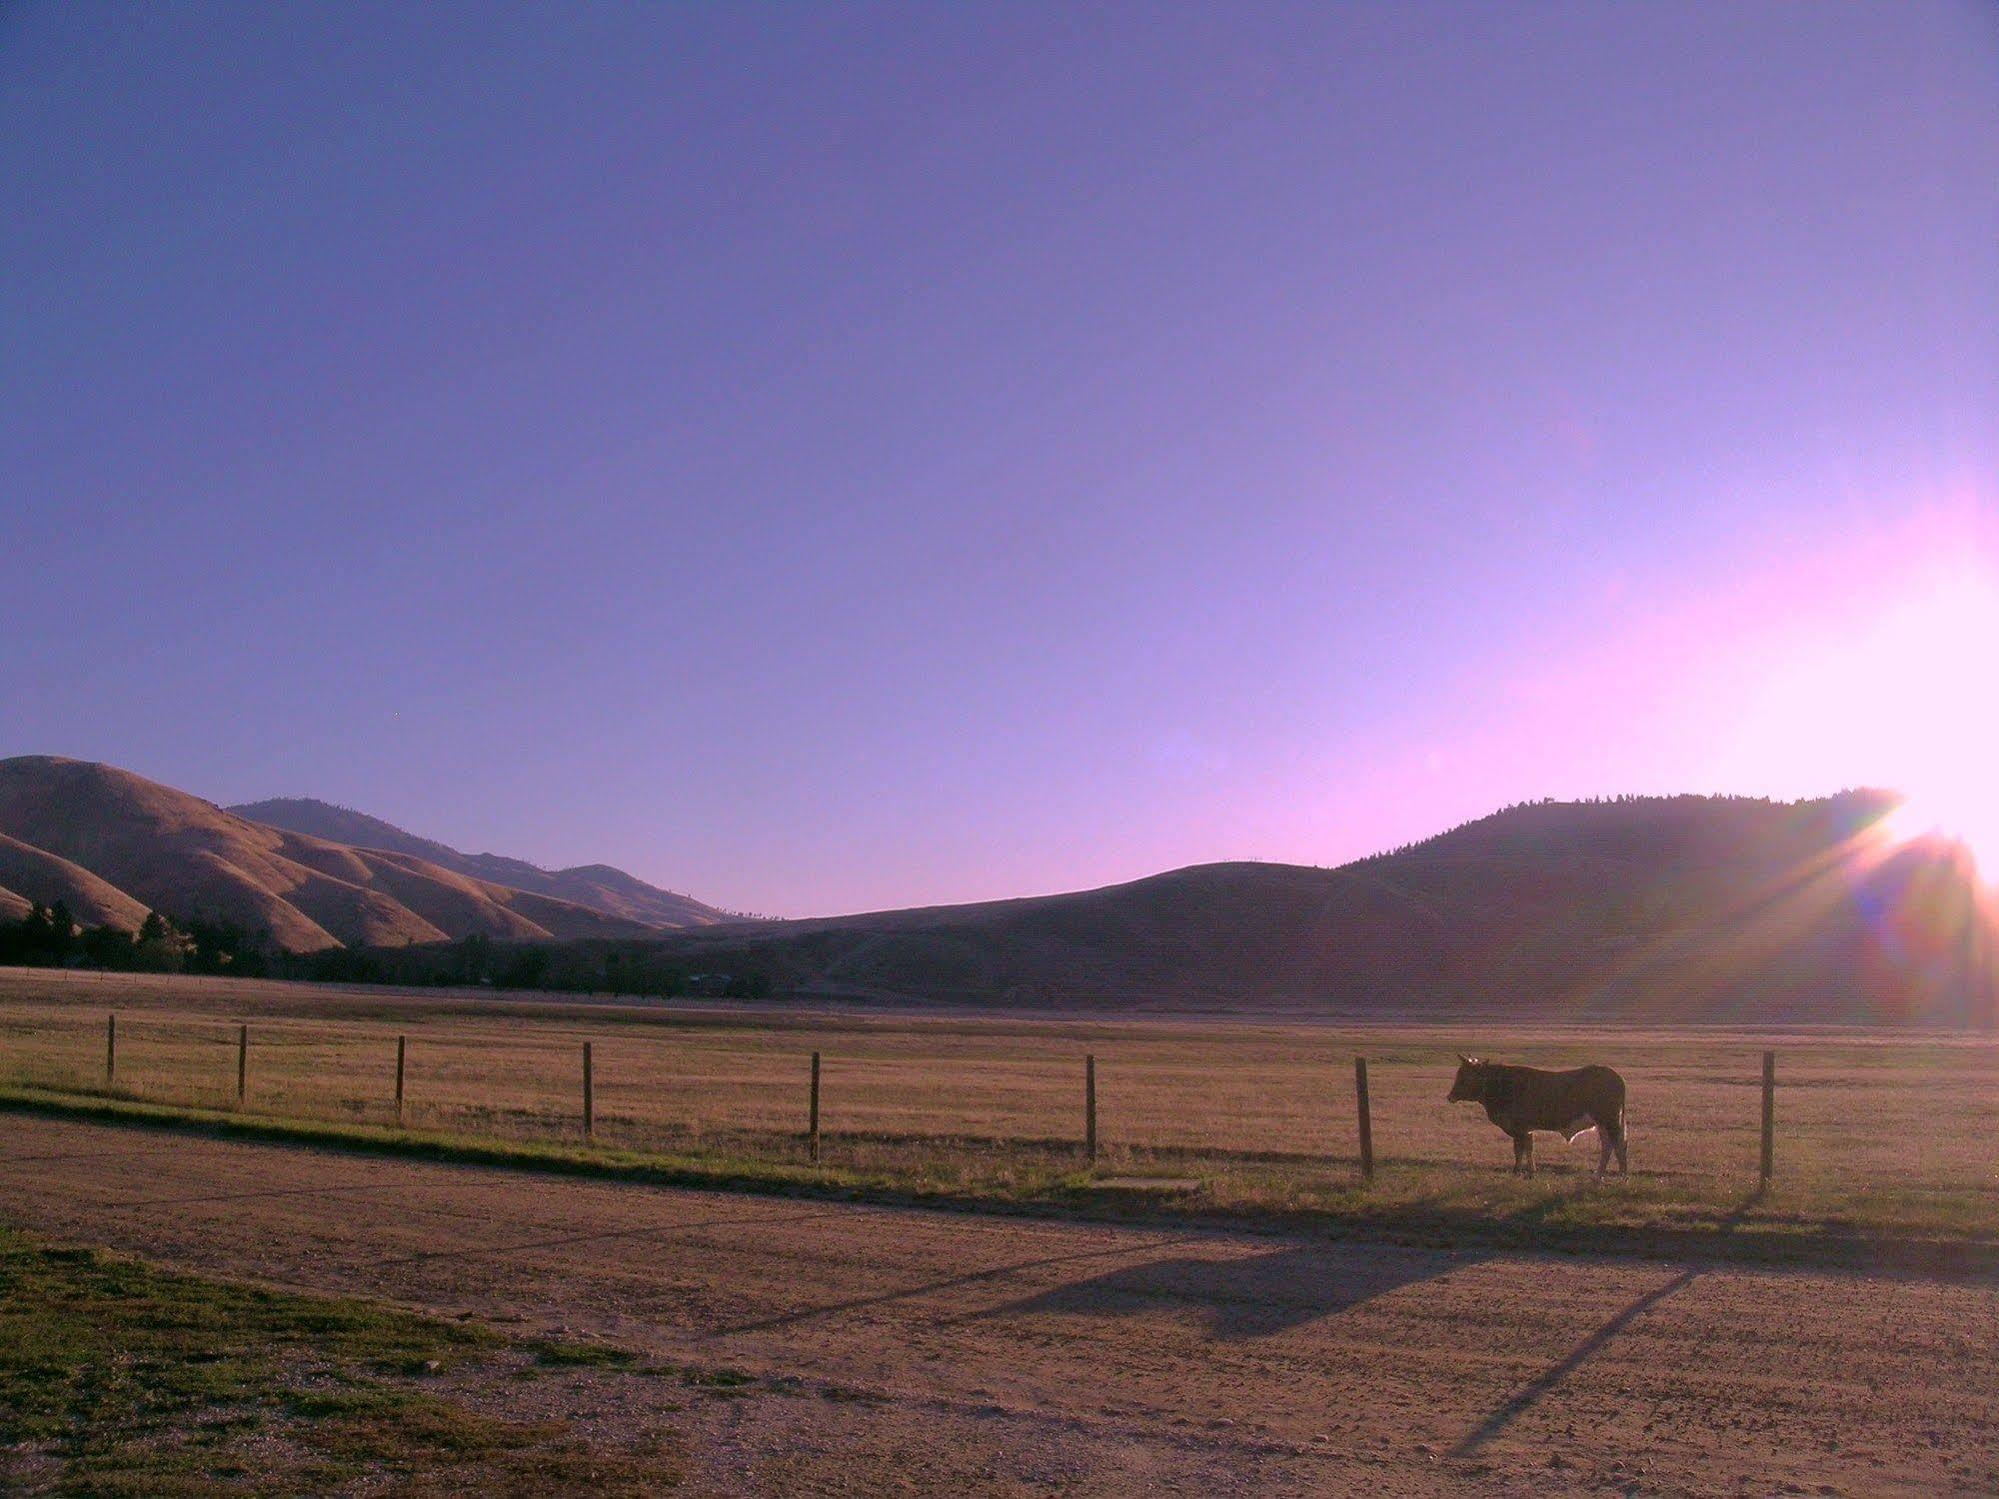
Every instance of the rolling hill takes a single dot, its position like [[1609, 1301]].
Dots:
[[91, 901], [1680, 907], [597, 886], [115, 845], [1717, 908]]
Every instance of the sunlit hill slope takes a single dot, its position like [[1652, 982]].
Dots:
[[114, 845], [597, 886]]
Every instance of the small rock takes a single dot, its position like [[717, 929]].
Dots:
[[431, 1366], [1220, 1423]]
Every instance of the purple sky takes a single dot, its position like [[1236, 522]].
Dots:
[[829, 457]]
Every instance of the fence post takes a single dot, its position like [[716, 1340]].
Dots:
[[1090, 1108], [1769, 1115], [402, 1050], [589, 1097], [110, 1048], [812, 1124], [242, 1063], [1366, 1120]]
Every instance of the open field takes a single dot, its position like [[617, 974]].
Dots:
[[841, 1349], [1878, 1132]]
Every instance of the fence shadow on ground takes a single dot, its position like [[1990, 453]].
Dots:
[[1545, 1383], [1241, 1297], [926, 1288]]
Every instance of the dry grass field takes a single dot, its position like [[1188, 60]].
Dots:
[[1878, 1132]]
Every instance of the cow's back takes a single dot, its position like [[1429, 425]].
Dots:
[[1533, 1098]]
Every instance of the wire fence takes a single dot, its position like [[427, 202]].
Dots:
[[1915, 1117]]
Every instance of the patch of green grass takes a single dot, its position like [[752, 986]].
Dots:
[[583, 1356], [714, 1170], [117, 1378]]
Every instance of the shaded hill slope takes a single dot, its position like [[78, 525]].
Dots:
[[597, 886], [1681, 907], [91, 901], [149, 847]]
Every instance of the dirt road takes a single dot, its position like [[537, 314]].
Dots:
[[904, 1351]]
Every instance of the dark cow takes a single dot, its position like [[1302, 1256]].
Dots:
[[1521, 1100]]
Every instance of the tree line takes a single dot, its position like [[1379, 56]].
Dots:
[[51, 937], [564, 968]]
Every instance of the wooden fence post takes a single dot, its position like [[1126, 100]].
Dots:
[[1090, 1108], [110, 1048], [402, 1051], [1366, 1121], [1769, 1115], [812, 1123], [242, 1064], [589, 1097]]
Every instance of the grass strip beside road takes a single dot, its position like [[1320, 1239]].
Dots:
[[1557, 1212], [117, 1378]]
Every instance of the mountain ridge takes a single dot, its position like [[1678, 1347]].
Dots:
[[80, 830], [1736, 909], [600, 887], [1688, 908]]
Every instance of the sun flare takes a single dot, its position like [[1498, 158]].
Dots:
[[1929, 722], [1964, 822], [1900, 696]]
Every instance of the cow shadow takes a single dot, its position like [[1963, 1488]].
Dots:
[[1241, 1297]]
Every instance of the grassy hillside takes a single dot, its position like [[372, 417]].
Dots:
[[121, 845], [1663, 907], [91, 900], [1684, 907], [598, 887]]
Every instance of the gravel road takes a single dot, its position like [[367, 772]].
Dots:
[[928, 1352]]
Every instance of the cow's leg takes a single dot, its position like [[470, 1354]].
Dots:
[[1516, 1155], [1623, 1166], [1523, 1152], [1604, 1135]]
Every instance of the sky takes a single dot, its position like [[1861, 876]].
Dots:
[[832, 457]]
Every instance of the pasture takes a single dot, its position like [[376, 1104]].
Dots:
[[1877, 1132]]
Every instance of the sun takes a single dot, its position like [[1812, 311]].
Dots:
[[1904, 696], [1929, 714], [1969, 820]]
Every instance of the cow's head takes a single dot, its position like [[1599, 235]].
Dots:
[[1469, 1086]]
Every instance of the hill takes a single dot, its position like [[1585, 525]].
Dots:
[[597, 886], [1674, 907], [115, 845], [1683, 908], [91, 901]]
